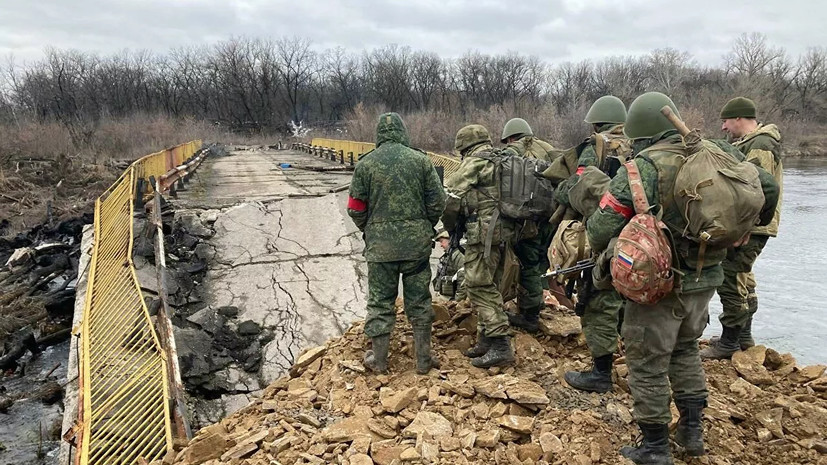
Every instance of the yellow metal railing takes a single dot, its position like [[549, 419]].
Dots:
[[124, 387], [449, 163]]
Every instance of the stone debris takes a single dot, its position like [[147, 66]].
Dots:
[[328, 412]]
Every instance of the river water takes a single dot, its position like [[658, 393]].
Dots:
[[792, 270]]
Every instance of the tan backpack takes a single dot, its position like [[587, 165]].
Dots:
[[612, 148], [641, 265], [568, 246], [719, 196]]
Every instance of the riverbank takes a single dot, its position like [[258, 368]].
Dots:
[[763, 408]]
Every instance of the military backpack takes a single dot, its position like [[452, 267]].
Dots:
[[568, 246], [523, 193], [612, 149], [641, 265]]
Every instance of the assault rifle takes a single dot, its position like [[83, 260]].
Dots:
[[578, 267]]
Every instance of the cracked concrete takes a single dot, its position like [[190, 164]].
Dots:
[[282, 251]]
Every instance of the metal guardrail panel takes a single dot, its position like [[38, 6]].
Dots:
[[450, 163], [125, 409]]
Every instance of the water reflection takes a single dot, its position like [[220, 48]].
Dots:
[[792, 270]]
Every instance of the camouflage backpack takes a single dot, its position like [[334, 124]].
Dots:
[[524, 194], [719, 196], [641, 265], [612, 149], [568, 246]]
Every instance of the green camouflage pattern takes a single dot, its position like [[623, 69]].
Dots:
[[383, 288], [403, 194], [532, 147], [600, 320], [533, 255], [738, 298], [470, 136], [473, 195], [661, 344], [658, 165], [587, 157], [763, 147], [450, 265]]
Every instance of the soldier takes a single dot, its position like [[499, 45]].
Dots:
[[396, 200], [662, 339], [761, 144], [602, 309], [472, 198], [533, 237], [450, 275]]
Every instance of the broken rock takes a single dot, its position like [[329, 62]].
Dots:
[[750, 364], [522, 425], [429, 424], [771, 419], [306, 359]]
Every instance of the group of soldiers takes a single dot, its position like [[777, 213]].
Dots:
[[397, 199]]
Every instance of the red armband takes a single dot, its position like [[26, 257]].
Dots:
[[356, 204], [580, 170], [609, 200]]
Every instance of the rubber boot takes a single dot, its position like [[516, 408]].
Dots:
[[653, 449], [745, 340], [499, 354], [725, 346], [690, 432], [598, 379], [422, 346], [527, 320], [481, 347], [376, 359]]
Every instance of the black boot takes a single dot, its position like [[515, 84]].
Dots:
[[653, 449], [481, 347], [422, 346], [528, 321], [745, 340], [376, 359], [725, 346], [499, 354], [599, 379], [690, 432]]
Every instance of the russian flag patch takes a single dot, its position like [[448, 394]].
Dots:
[[625, 259]]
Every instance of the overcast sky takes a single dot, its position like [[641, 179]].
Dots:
[[554, 30]]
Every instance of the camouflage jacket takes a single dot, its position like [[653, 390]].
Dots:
[[763, 147], [473, 197], [658, 166], [395, 196], [587, 156], [532, 147]]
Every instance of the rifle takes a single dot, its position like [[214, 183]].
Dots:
[[455, 236], [579, 266]]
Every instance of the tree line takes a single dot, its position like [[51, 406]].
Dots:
[[269, 82]]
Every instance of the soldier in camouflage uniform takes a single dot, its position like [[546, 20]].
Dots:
[[450, 275], [532, 237], [761, 144], [662, 339], [603, 305], [473, 194], [396, 200]]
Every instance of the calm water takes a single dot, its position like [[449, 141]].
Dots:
[[792, 270]]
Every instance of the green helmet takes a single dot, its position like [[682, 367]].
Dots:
[[607, 109], [516, 127], [471, 135], [645, 119]]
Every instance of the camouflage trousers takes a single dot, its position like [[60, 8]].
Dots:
[[482, 290], [533, 255], [599, 321], [383, 288], [662, 350], [737, 293]]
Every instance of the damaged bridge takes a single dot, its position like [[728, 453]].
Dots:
[[201, 294]]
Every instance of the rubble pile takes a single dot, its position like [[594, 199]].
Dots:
[[763, 409]]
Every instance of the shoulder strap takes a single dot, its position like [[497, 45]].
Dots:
[[636, 185]]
